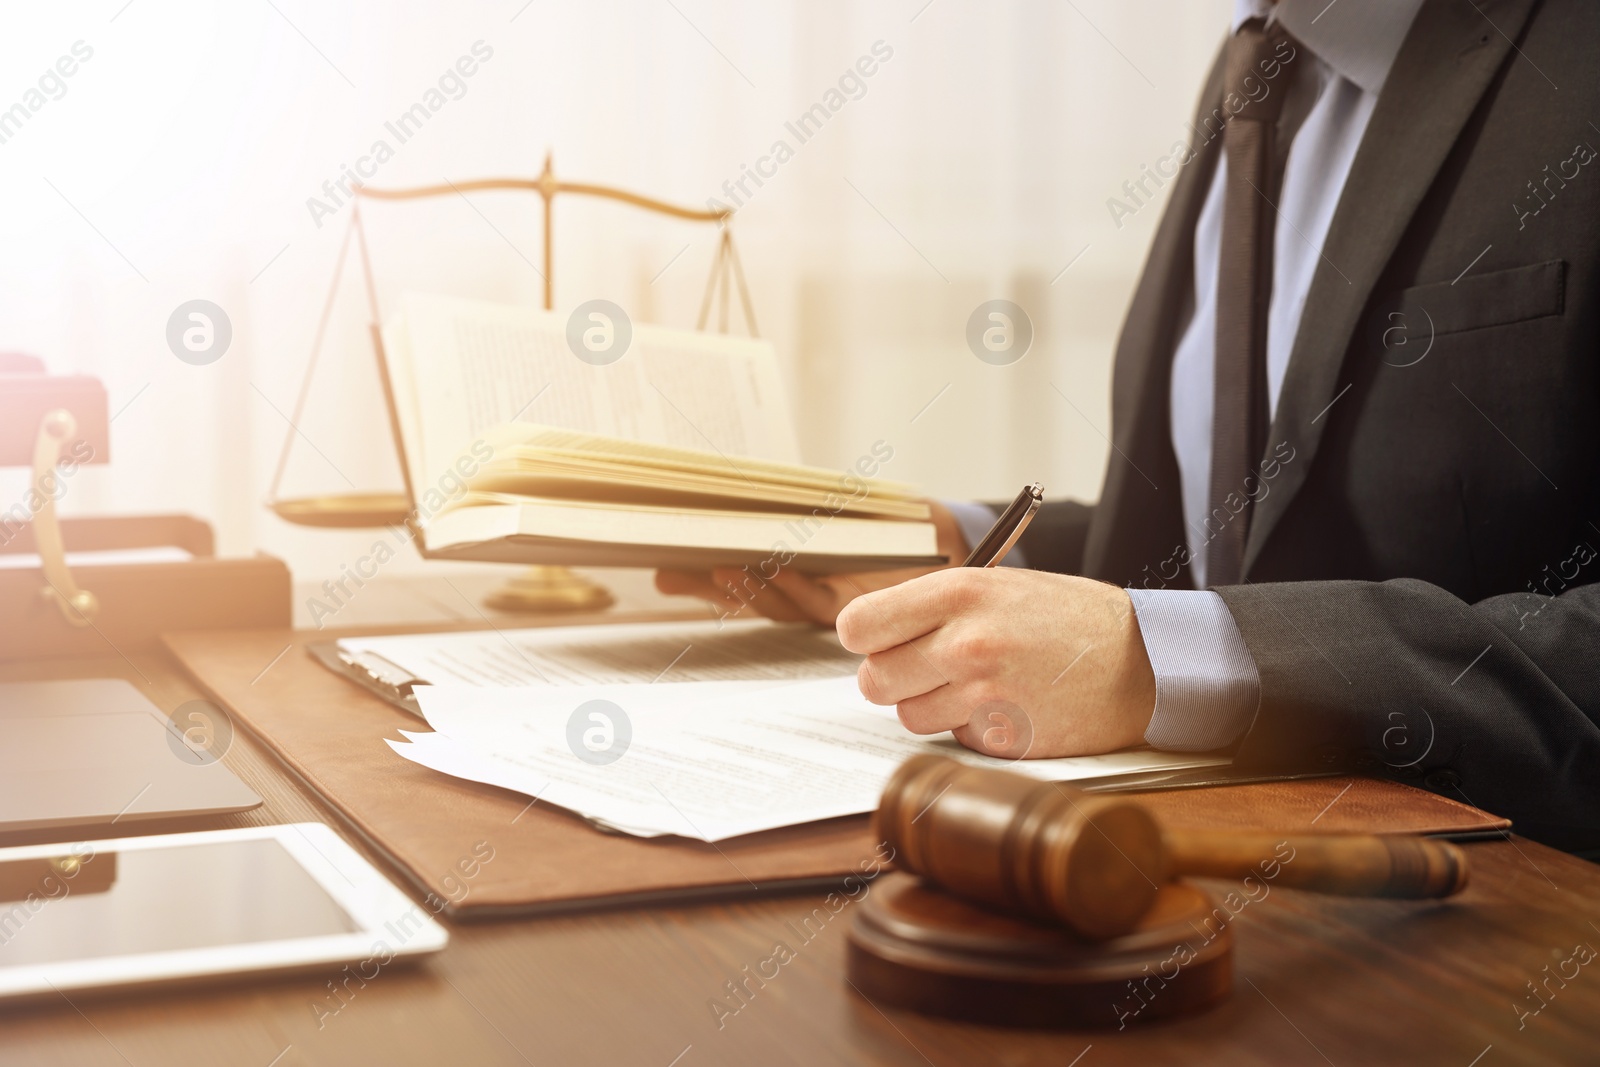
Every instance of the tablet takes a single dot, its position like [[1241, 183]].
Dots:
[[145, 911]]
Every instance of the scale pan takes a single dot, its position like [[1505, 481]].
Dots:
[[353, 511]]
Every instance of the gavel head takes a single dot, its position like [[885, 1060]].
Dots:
[[1042, 849]]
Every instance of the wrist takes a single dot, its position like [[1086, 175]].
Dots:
[[1136, 689]]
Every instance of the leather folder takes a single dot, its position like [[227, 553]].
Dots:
[[329, 732]]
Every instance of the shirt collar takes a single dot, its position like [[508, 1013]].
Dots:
[[1358, 39]]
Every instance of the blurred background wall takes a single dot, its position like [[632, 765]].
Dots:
[[976, 162]]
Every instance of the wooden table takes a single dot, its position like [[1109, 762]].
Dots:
[[1318, 981]]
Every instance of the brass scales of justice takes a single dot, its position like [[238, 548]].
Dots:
[[542, 588]]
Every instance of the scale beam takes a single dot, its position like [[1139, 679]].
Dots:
[[547, 186], [393, 509]]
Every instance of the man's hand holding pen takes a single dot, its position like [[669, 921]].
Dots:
[[1015, 663]]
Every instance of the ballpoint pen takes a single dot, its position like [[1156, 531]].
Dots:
[[1007, 528]]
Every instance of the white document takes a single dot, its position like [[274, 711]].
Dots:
[[705, 760], [628, 652]]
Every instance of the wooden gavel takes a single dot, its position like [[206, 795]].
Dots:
[[1094, 862]]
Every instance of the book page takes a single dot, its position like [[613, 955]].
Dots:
[[536, 461], [547, 446], [399, 370], [477, 365]]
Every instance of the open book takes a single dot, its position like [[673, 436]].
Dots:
[[681, 453]]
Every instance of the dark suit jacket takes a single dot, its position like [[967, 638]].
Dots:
[[1417, 589]]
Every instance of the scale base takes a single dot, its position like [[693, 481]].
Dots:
[[544, 590]]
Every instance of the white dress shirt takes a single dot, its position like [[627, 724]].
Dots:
[[1348, 50], [1207, 688]]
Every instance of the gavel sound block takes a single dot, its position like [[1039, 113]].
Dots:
[[1040, 904]]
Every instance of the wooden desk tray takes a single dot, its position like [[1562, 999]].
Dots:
[[138, 601]]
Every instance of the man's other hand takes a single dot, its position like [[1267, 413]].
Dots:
[[1016, 663], [793, 597]]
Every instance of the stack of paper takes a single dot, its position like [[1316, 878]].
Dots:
[[705, 760], [545, 461]]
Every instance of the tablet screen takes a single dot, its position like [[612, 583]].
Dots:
[[88, 905]]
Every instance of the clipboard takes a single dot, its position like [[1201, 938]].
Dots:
[[391, 682], [382, 678], [328, 730]]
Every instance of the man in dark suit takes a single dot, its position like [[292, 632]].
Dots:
[[1352, 510]]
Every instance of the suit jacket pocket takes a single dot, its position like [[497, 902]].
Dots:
[[1475, 301], [1487, 299]]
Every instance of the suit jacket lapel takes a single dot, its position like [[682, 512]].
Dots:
[[1447, 61], [1139, 520]]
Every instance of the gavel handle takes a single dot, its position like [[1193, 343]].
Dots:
[[1357, 865]]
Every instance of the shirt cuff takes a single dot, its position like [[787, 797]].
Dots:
[[1207, 687], [974, 520]]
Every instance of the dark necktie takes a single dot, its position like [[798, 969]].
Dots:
[[1244, 287]]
